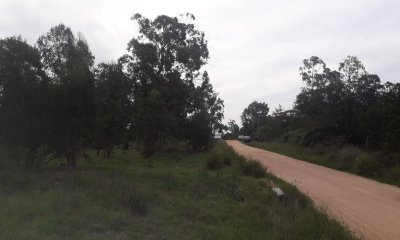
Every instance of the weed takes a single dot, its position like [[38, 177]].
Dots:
[[134, 201], [215, 161], [111, 200], [252, 168], [365, 165]]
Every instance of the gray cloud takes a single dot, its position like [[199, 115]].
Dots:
[[256, 46]]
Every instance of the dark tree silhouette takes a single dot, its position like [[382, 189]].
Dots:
[[164, 65], [69, 63]]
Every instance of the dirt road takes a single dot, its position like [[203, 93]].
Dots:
[[369, 208]]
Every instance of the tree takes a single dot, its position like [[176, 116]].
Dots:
[[253, 116], [351, 70], [313, 72], [198, 130], [164, 64], [349, 103], [113, 107], [207, 100], [69, 63], [23, 103], [206, 112], [233, 127], [390, 113]]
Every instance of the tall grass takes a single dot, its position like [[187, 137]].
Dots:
[[176, 198]]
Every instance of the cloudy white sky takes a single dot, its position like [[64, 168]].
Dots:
[[256, 46]]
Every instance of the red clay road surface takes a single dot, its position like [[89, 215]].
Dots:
[[370, 209]]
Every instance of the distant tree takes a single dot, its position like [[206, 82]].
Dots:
[[233, 127], [313, 72], [207, 100], [351, 70], [69, 63], [113, 107], [390, 113], [254, 116], [348, 103], [198, 130], [23, 99]]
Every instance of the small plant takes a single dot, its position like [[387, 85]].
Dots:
[[227, 160], [134, 201], [366, 165], [252, 168], [215, 160]]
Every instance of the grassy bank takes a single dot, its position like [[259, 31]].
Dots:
[[373, 165], [213, 195]]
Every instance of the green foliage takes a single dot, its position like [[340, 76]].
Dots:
[[180, 196], [349, 102], [233, 130], [254, 116], [113, 107], [53, 101], [164, 64], [252, 168], [366, 165], [134, 201], [68, 61], [215, 161], [221, 155], [334, 109], [198, 130], [24, 102]]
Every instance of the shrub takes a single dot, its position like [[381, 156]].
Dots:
[[366, 165], [228, 155], [215, 161], [134, 201], [252, 168], [394, 173], [349, 152], [293, 137], [227, 160]]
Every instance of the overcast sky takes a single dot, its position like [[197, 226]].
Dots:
[[256, 46]]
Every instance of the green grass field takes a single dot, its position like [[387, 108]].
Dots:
[[348, 159], [169, 196]]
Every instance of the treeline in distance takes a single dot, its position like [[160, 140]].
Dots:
[[335, 108], [347, 105]]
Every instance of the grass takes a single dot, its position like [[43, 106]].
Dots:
[[174, 197], [348, 159]]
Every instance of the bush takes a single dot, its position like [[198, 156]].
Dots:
[[221, 155], [293, 137], [227, 160], [366, 165], [215, 160], [252, 168], [349, 152], [134, 201], [319, 136], [394, 173], [228, 155]]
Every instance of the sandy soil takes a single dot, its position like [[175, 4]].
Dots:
[[370, 209]]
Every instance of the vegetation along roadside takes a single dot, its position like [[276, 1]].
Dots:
[[171, 195]]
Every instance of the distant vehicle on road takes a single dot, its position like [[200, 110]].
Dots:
[[245, 139]]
